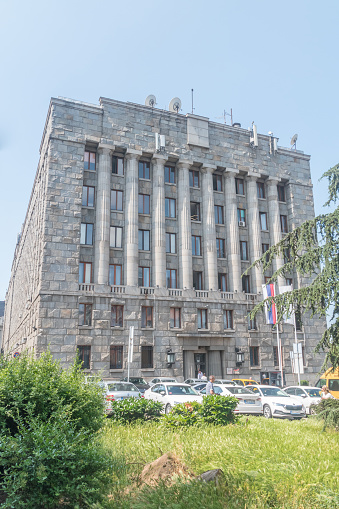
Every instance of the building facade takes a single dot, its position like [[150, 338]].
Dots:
[[146, 218]]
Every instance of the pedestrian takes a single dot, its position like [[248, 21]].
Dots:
[[199, 374], [209, 386], [204, 377], [325, 394]]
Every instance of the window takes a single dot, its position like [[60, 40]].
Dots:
[[115, 275], [263, 221], [289, 281], [281, 193], [267, 279], [115, 357], [175, 318], [115, 239], [197, 280], [144, 240], [228, 319], [252, 323], [144, 276], [89, 160], [254, 355], [117, 313], [261, 190], [146, 316], [202, 318], [86, 235], [195, 211], [242, 216], [85, 314], [243, 250], [88, 196], [84, 354], [146, 357], [217, 182], [171, 278], [283, 222], [246, 287], [298, 321], [169, 207], [169, 175], [116, 199], [85, 272], [144, 204], [118, 165], [144, 170], [194, 178], [220, 248], [287, 255], [222, 282], [196, 245], [240, 186], [170, 243], [219, 214]]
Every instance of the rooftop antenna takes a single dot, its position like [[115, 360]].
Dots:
[[192, 101], [225, 115], [294, 142]]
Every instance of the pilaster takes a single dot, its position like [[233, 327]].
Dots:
[[232, 233], [254, 232], [158, 222], [208, 227], [184, 221]]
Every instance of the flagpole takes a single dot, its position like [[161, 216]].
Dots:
[[280, 355]]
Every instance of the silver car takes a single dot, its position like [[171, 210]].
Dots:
[[249, 403], [171, 394], [308, 396], [121, 390], [277, 403]]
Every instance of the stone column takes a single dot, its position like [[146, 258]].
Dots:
[[158, 222], [274, 222], [254, 232], [103, 215], [208, 228], [184, 223], [232, 233], [131, 217]]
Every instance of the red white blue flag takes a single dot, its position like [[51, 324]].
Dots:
[[270, 311]]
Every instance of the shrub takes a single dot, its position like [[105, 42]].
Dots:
[[135, 409], [183, 415], [39, 387], [328, 410], [304, 382], [219, 410], [49, 464]]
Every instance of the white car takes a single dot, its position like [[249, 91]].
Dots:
[[162, 379], [307, 395], [277, 403], [249, 403], [171, 394]]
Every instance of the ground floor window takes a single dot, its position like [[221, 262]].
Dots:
[[115, 356], [84, 354], [146, 357]]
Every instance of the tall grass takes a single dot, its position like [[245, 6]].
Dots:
[[267, 463]]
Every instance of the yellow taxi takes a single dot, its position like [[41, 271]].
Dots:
[[244, 381]]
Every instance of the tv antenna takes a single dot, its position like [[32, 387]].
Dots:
[[150, 101], [294, 142], [175, 105], [192, 101], [225, 115]]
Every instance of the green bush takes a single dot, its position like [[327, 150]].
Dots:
[[49, 464], [39, 387], [328, 410], [183, 415], [304, 382], [135, 409]]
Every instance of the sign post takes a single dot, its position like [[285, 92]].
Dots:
[[130, 349]]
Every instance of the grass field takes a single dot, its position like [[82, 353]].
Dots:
[[267, 464]]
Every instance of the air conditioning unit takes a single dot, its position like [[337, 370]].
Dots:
[[242, 223], [160, 142]]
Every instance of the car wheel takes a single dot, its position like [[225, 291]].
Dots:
[[267, 412], [168, 408]]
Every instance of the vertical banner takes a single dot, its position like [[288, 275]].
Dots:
[[270, 311]]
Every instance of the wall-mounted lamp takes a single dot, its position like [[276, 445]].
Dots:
[[240, 357], [170, 357]]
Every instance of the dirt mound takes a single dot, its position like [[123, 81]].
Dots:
[[166, 468]]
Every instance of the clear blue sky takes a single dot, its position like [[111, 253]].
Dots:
[[272, 62]]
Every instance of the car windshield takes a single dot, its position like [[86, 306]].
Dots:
[[122, 387], [313, 393], [333, 385], [139, 381], [239, 390], [274, 391], [180, 390]]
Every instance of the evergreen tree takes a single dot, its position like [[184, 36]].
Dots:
[[313, 251]]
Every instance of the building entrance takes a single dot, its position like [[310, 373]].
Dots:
[[200, 363]]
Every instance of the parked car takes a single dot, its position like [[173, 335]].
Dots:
[[225, 382], [121, 390], [244, 381], [307, 395], [331, 379], [249, 403], [171, 394], [192, 381], [200, 386], [163, 379], [139, 382], [277, 403]]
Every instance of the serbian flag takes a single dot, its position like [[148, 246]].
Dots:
[[270, 311]]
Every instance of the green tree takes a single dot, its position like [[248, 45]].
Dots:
[[313, 249]]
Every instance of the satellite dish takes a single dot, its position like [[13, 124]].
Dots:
[[175, 105], [150, 101], [294, 140]]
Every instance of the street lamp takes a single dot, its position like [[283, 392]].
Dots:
[[240, 357], [170, 357]]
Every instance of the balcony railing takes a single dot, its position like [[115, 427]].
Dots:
[[118, 289], [251, 296], [227, 295], [86, 288], [174, 293], [146, 290], [201, 293]]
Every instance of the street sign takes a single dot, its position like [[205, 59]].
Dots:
[[16, 354]]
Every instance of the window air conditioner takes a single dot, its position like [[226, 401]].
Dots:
[[242, 223]]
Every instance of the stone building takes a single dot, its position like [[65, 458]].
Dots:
[[146, 218]]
